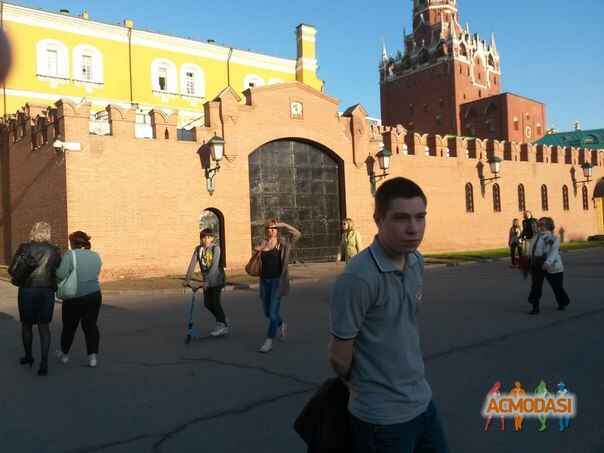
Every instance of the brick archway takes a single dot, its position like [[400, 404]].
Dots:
[[301, 183]]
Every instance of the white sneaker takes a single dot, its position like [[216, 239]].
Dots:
[[92, 361], [220, 330], [283, 331], [267, 346], [63, 358]]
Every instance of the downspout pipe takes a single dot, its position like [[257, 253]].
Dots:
[[130, 64], [229, 66]]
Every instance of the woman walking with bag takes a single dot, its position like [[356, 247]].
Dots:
[[546, 263], [33, 270], [84, 302], [207, 255], [273, 255]]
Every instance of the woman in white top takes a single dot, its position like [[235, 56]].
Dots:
[[546, 263]]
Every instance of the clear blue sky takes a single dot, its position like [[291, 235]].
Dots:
[[551, 50]]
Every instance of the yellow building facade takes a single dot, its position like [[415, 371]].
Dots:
[[57, 55]]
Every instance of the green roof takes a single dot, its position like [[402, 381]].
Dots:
[[593, 139]]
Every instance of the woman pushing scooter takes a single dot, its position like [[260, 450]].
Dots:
[[207, 255]]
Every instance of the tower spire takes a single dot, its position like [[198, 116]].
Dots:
[[385, 56]]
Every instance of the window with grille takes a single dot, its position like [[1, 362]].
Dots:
[[469, 198], [496, 198], [190, 83], [544, 200], [52, 61], [565, 203], [585, 199], [521, 198], [86, 67]]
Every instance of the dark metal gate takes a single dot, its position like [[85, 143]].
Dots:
[[298, 183]]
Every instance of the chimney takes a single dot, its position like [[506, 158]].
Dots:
[[577, 126]]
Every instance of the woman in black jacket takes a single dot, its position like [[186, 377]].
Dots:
[[33, 269]]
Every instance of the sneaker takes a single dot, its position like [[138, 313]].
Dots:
[[63, 358], [92, 361], [220, 330], [283, 331], [266, 346]]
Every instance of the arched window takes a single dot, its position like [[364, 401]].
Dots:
[[52, 58], [469, 198], [462, 50], [544, 200], [565, 204], [424, 56], [585, 199], [87, 64], [192, 80], [491, 60], [496, 198], [252, 81], [163, 76], [521, 198]]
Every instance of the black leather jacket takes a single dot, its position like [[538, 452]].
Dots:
[[48, 257]]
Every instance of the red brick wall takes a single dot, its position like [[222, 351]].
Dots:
[[140, 199]]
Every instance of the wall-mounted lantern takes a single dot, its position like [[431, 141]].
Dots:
[[383, 158], [495, 167], [587, 174], [216, 145]]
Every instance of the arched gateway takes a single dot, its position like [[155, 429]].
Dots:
[[300, 183]]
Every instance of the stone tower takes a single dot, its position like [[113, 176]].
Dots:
[[442, 66]]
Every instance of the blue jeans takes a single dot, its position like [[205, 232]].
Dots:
[[271, 302], [423, 434]]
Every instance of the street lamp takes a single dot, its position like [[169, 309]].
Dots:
[[495, 166], [587, 173], [383, 157], [216, 145]]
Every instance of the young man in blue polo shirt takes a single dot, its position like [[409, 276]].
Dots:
[[375, 344]]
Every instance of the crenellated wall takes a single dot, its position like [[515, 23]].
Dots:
[[140, 199]]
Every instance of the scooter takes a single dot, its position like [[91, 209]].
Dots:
[[192, 332]]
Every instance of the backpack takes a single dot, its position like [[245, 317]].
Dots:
[[22, 267]]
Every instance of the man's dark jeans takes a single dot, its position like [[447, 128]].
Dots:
[[423, 434]]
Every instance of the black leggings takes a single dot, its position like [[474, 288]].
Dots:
[[211, 300], [515, 252], [85, 309]]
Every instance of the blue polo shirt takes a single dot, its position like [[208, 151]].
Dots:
[[376, 304]]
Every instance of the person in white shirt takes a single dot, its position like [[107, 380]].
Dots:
[[546, 264]]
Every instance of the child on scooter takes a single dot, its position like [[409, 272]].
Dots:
[[207, 255]]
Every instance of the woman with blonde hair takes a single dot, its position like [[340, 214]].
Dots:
[[85, 305], [351, 241], [33, 270], [274, 277]]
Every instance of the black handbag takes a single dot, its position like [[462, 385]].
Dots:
[[22, 267]]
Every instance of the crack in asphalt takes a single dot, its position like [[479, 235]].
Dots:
[[166, 436], [237, 411], [505, 336]]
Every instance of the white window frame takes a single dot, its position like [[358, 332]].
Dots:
[[42, 48], [254, 79], [171, 82], [97, 63], [199, 88]]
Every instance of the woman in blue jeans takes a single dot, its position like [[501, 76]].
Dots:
[[274, 277]]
